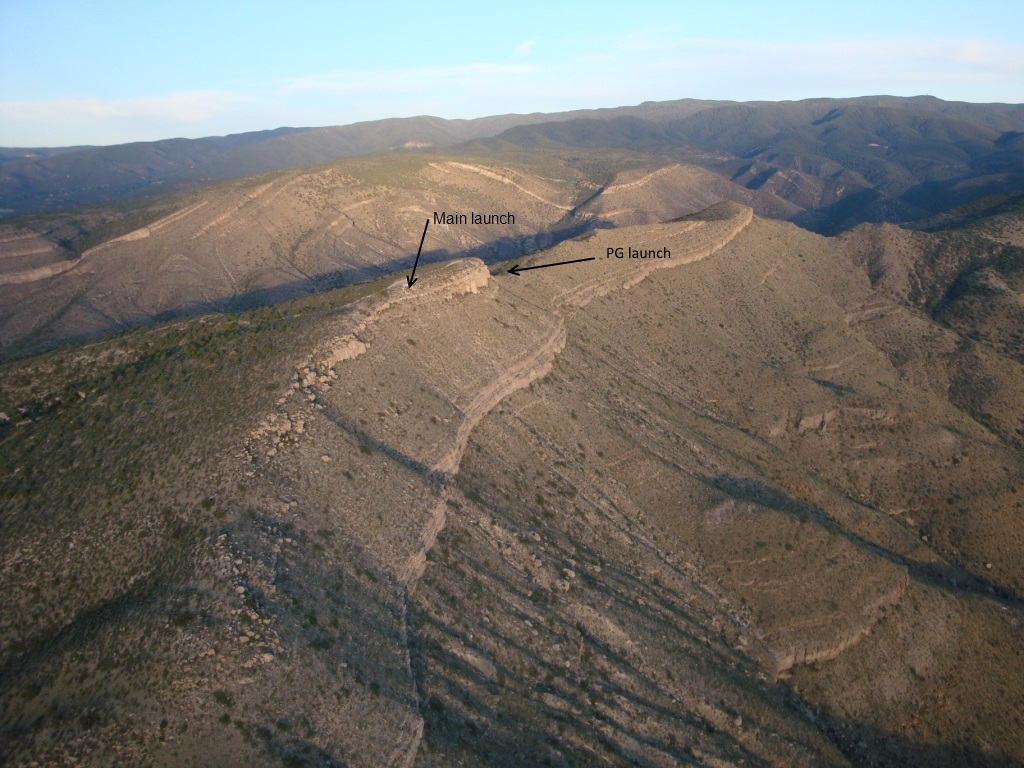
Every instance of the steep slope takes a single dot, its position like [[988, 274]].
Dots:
[[270, 238], [244, 618], [969, 279], [841, 161], [584, 515], [844, 161], [48, 180], [651, 195], [826, 164], [733, 424], [27, 257]]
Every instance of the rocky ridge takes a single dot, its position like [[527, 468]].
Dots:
[[588, 514], [424, 424]]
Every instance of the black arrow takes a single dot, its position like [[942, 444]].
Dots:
[[412, 278], [516, 269]]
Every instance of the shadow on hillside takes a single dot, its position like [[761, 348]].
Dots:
[[366, 440], [515, 732], [920, 201], [863, 744], [945, 576], [493, 252], [537, 712], [533, 711]]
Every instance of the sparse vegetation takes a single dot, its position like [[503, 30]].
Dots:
[[207, 522]]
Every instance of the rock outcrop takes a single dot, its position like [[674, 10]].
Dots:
[[386, 406], [808, 653], [430, 362]]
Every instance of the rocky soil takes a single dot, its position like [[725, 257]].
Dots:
[[725, 508]]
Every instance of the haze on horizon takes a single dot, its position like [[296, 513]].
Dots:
[[76, 72]]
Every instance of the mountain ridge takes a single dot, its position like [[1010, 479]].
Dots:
[[510, 519], [267, 238], [100, 174]]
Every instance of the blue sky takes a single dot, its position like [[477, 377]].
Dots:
[[100, 72]]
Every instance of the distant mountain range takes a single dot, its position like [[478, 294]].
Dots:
[[842, 161], [47, 179]]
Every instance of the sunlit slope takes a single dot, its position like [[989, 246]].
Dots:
[[740, 419], [257, 242], [586, 514], [650, 195], [267, 239]]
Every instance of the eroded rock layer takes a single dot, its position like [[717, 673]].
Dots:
[[603, 513]]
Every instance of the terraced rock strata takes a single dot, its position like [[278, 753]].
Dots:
[[605, 513]]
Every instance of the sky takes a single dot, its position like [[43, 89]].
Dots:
[[103, 72]]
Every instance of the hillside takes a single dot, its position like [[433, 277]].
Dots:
[[264, 239], [841, 162], [44, 179], [968, 277], [719, 508], [829, 165]]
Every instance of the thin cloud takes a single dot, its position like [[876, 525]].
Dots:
[[183, 107], [523, 48]]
